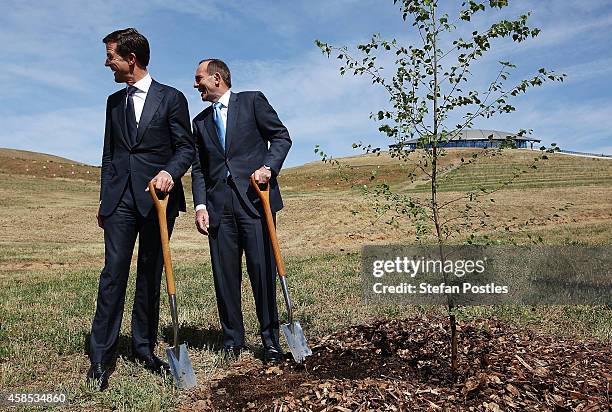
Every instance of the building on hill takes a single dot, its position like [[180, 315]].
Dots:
[[480, 138]]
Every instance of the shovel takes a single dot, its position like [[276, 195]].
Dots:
[[292, 330], [178, 359]]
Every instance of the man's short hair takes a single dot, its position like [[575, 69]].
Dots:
[[130, 41], [216, 65]]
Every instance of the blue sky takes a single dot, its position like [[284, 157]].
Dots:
[[54, 83]]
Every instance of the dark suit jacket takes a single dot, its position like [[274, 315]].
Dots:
[[164, 142], [252, 124]]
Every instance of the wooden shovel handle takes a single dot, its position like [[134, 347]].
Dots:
[[264, 196], [160, 206]]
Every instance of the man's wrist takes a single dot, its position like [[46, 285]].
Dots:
[[267, 167], [200, 207], [168, 173]]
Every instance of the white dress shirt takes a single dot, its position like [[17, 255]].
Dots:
[[140, 95]]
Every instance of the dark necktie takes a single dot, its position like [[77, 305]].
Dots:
[[131, 128]]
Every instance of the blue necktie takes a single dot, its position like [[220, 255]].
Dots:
[[218, 119]]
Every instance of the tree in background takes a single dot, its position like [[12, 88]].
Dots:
[[433, 96]]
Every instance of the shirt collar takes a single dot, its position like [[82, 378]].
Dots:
[[224, 100], [144, 84]]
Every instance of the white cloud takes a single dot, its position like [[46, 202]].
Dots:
[[584, 127], [48, 44], [75, 133], [315, 103], [588, 70], [14, 77], [212, 11]]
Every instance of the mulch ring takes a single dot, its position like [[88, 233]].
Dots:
[[404, 365]]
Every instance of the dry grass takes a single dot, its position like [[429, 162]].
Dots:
[[51, 252], [57, 216]]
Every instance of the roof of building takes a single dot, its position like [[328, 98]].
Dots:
[[482, 134]]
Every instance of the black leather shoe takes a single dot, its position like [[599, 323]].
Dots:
[[279, 349], [231, 352], [98, 375], [153, 363], [273, 355]]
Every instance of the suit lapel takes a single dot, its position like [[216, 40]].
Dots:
[[232, 118], [212, 131], [154, 98], [118, 113]]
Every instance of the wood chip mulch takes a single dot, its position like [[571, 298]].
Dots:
[[404, 365]]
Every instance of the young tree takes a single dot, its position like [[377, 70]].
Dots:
[[434, 97]]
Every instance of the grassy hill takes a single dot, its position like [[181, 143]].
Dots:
[[24, 163], [567, 198], [317, 177], [486, 171], [29, 155]]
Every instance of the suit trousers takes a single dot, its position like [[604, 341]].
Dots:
[[121, 229], [239, 232]]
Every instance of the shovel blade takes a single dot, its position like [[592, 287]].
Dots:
[[181, 368], [296, 341]]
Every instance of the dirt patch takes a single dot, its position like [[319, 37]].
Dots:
[[404, 365]]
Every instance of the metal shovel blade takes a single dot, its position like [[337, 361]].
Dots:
[[181, 368], [296, 341]]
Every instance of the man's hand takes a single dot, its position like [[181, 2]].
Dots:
[[163, 182], [201, 221], [100, 221], [262, 175]]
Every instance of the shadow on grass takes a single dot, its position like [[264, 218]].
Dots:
[[194, 337], [123, 348], [206, 338]]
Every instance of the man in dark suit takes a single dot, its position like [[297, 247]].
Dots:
[[239, 135], [147, 138]]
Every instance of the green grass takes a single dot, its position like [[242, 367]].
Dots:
[[46, 321]]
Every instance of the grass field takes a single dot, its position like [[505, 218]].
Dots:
[[51, 253]]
